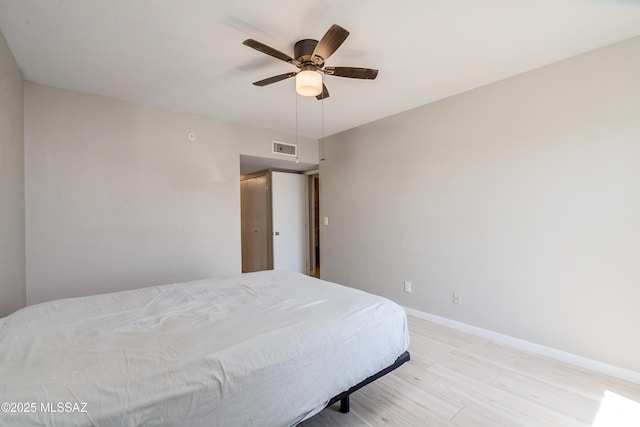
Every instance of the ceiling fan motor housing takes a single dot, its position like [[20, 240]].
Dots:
[[303, 50]]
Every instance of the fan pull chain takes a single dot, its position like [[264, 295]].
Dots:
[[297, 148], [322, 132]]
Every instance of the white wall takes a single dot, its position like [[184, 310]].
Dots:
[[117, 196], [523, 195], [12, 241]]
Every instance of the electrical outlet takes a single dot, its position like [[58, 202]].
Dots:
[[457, 298], [407, 287]]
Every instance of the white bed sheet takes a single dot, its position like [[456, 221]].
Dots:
[[259, 349]]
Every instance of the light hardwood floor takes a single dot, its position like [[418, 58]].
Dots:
[[458, 380]]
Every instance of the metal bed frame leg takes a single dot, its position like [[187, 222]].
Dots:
[[344, 405], [344, 396]]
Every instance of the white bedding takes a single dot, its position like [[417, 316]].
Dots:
[[260, 349]]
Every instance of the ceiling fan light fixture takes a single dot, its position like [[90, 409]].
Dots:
[[309, 83]]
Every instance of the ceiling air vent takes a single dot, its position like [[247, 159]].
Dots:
[[284, 148]]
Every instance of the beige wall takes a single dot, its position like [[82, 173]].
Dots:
[[523, 195], [118, 197], [12, 241]]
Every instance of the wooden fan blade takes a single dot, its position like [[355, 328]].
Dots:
[[330, 42], [351, 72], [324, 94], [274, 79], [261, 47]]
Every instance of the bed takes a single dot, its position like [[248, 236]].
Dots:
[[270, 348]]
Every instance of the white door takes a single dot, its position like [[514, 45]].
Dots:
[[288, 198]]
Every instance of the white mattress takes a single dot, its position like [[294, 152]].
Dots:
[[259, 349]]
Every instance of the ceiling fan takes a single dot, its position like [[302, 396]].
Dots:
[[310, 56]]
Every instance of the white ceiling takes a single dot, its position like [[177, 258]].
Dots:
[[188, 55]]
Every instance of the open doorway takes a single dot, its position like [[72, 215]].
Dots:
[[262, 204]]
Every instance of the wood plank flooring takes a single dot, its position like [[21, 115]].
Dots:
[[458, 380]]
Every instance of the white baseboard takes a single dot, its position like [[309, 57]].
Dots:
[[552, 353]]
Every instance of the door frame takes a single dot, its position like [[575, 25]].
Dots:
[[309, 214], [312, 195]]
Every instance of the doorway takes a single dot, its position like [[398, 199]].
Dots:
[[257, 221], [279, 221]]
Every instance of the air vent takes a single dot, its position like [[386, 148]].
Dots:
[[284, 148]]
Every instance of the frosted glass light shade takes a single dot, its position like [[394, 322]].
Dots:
[[309, 83]]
